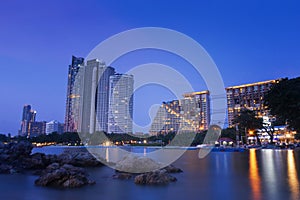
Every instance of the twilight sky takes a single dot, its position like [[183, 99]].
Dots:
[[248, 40]]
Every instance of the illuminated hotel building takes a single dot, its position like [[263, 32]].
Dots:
[[158, 123], [172, 123], [72, 116], [195, 111], [120, 103], [167, 118], [248, 96]]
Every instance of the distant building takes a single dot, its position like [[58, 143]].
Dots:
[[28, 116], [72, 116], [54, 126], [36, 129], [159, 122], [248, 96], [120, 103], [190, 114], [167, 118], [195, 111]]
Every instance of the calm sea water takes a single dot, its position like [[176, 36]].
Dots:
[[255, 174]]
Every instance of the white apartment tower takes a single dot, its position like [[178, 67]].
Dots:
[[120, 103]]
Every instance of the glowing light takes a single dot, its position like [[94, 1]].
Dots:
[[254, 175], [292, 175]]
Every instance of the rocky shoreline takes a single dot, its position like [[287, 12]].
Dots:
[[67, 170], [157, 177], [64, 170]]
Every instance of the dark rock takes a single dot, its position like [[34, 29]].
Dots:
[[5, 169], [159, 177], [18, 156], [35, 161], [79, 159], [4, 157], [172, 169], [22, 148], [52, 167], [66, 176], [122, 176], [51, 158]]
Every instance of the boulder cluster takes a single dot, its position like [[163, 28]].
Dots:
[[66, 176], [157, 177], [63, 170]]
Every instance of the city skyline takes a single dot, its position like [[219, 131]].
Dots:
[[249, 42]]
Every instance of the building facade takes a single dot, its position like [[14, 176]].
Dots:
[[247, 96], [88, 104], [195, 111], [167, 118], [120, 103], [36, 128], [102, 102], [28, 116], [95, 96], [75, 77], [54, 126]]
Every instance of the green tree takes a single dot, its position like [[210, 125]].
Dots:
[[247, 121], [229, 133], [3, 138], [283, 101]]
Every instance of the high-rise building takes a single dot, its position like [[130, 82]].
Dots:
[[54, 126], [28, 116], [88, 114], [247, 96], [95, 96], [102, 100], [159, 122], [75, 75], [195, 111], [173, 118], [36, 128], [167, 118], [120, 103]]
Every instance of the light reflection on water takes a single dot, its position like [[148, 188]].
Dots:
[[278, 169], [254, 175], [292, 175]]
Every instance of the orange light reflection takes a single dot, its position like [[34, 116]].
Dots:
[[254, 175]]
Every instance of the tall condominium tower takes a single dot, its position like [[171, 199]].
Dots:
[[102, 99], [195, 111], [95, 97], [247, 96], [75, 75], [28, 116], [120, 103]]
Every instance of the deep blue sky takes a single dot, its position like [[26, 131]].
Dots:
[[248, 40]]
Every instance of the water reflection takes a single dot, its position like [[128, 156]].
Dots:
[[254, 177], [106, 155], [292, 175]]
